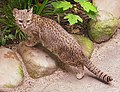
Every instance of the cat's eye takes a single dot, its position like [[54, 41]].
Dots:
[[28, 21], [21, 21]]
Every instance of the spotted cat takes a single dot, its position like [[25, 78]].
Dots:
[[53, 37]]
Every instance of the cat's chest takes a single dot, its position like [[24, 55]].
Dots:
[[33, 27]]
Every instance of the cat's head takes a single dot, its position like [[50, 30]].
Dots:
[[23, 17]]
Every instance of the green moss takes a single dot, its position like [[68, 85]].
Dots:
[[20, 71], [86, 44], [8, 85], [102, 30]]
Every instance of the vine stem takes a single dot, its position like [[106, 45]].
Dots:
[[58, 18]]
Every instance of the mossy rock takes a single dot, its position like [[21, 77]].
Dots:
[[86, 44], [11, 71], [103, 28]]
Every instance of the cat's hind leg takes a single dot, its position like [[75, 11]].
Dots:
[[81, 73], [78, 71]]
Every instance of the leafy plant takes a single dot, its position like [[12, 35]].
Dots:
[[90, 9], [73, 18], [6, 35], [62, 6]]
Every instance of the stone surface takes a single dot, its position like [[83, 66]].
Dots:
[[37, 62], [106, 56], [103, 28], [11, 71], [109, 5]]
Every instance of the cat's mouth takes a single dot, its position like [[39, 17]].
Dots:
[[23, 27]]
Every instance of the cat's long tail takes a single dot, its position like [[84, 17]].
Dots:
[[101, 75]]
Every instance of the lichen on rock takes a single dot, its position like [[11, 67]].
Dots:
[[103, 28], [85, 43], [11, 72]]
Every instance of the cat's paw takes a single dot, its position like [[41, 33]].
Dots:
[[79, 76]]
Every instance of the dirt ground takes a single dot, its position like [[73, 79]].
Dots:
[[106, 56]]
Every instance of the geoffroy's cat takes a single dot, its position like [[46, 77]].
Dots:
[[54, 38]]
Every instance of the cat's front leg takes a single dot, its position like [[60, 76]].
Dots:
[[32, 41]]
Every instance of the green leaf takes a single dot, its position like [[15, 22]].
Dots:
[[6, 31], [10, 36], [58, 11], [88, 6], [73, 18], [3, 41], [80, 1], [62, 4]]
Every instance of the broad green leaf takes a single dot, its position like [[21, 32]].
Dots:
[[60, 10], [88, 6], [10, 36], [80, 1], [62, 4], [73, 18]]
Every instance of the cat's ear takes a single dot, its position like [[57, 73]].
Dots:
[[30, 10], [15, 11]]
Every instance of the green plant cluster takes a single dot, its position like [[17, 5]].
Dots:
[[62, 6]]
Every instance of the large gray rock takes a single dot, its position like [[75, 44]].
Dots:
[[11, 72], [37, 62], [110, 6], [103, 28]]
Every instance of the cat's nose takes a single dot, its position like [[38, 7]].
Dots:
[[24, 26]]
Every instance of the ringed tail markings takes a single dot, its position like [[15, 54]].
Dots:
[[101, 75]]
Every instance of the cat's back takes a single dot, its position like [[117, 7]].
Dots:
[[52, 31]]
